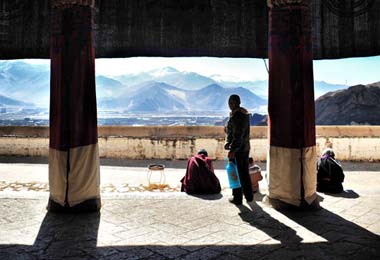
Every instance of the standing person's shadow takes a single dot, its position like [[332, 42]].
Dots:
[[343, 238], [67, 235], [341, 234], [261, 220]]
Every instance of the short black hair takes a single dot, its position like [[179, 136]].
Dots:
[[203, 151], [235, 98]]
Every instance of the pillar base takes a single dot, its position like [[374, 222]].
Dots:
[[281, 205], [91, 205]]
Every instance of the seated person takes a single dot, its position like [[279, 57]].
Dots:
[[255, 174], [200, 177], [330, 173]]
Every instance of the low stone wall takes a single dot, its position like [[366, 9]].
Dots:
[[355, 143]]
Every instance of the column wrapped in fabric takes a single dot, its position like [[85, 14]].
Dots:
[[74, 175], [291, 111]]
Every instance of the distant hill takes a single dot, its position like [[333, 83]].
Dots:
[[254, 120], [108, 87], [215, 98], [358, 104], [151, 97], [259, 120], [260, 87], [321, 88]]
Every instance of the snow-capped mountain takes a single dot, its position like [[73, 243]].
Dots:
[[168, 75], [155, 96], [151, 97], [156, 90]]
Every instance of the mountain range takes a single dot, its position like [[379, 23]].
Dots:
[[29, 84], [24, 82], [194, 81], [155, 96], [171, 76]]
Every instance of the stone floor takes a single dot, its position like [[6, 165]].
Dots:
[[141, 224]]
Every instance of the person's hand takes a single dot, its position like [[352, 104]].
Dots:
[[231, 155]]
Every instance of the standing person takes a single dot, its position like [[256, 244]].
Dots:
[[237, 143]]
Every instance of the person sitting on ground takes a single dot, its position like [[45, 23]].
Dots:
[[200, 177], [330, 173], [255, 173]]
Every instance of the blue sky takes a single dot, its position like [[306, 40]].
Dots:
[[353, 70], [342, 71]]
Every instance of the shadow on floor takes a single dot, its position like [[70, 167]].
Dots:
[[74, 236], [207, 196], [348, 194], [261, 220], [344, 237]]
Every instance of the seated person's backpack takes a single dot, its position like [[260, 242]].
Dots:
[[330, 173], [200, 177]]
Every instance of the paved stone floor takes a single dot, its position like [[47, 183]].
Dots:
[[173, 225]]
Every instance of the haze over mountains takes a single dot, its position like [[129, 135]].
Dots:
[[23, 82], [153, 96], [158, 90], [25, 88]]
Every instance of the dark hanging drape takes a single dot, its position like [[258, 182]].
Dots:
[[221, 28]]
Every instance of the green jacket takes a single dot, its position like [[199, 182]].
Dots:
[[237, 131]]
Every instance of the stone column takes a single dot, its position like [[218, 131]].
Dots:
[[73, 155], [291, 117]]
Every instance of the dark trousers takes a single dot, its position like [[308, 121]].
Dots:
[[245, 180]]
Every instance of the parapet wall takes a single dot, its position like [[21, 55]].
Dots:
[[354, 143]]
